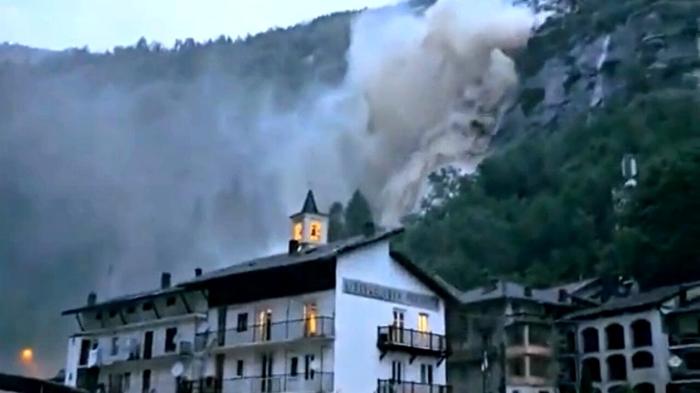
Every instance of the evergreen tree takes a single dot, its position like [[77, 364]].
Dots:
[[336, 223], [357, 215]]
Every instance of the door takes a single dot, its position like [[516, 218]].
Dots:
[[398, 326], [266, 373], [310, 320], [265, 325], [221, 327], [219, 372], [396, 371], [148, 344], [426, 374], [309, 372]]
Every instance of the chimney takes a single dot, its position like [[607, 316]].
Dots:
[[293, 246], [563, 295], [92, 299], [368, 229], [198, 272], [528, 291], [165, 280]]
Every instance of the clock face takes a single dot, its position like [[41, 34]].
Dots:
[[315, 231], [298, 231]]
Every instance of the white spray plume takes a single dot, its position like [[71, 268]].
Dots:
[[432, 86]]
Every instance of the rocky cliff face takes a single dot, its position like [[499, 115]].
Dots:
[[602, 52]]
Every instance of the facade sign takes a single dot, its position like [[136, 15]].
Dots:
[[388, 294]]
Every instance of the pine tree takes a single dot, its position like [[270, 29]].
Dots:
[[357, 215]]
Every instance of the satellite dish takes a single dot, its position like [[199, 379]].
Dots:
[[203, 328], [675, 361], [178, 369]]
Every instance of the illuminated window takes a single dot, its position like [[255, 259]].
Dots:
[[265, 324], [423, 323], [298, 231], [310, 319], [315, 231]]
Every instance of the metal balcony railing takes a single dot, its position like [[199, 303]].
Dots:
[[317, 382], [268, 332], [392, 386], [393, 337], [689, 339]]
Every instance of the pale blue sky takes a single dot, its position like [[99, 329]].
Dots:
[[103, 24]]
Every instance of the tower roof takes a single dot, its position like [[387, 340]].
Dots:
[[309, 204]]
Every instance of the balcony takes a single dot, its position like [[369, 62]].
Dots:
[[684, 363], [316, 382], [684, 340], [391, 386], [274, 332], [392, 338]]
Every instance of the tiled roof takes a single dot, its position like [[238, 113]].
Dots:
[[642, 300]]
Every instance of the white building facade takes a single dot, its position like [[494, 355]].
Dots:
[[349, 316]]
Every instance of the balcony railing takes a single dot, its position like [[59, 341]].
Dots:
[[268, 332], [392, 386], [689, 339], [317, 382], [398, 338]]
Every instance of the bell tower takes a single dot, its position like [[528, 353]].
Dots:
[[309, 226]]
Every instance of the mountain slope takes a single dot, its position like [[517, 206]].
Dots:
[[606, 80]]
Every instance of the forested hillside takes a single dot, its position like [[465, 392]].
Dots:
[[611, 78]]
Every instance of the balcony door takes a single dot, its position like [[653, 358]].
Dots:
[[265, 325], [397, 331], [266, 381], [310, 320], [148, 344]]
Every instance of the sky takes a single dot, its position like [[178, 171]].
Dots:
[[103, 24]]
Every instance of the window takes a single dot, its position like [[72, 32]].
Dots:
[[591, 369], [146, 381], [539, 366], [170, 301], [396, 371], [310, 319], [423, 323], [98, 316], [147, 306], [130, 309], [516, 367], [644, 388], [539, 335], [642, 359], [309, 367], [242, 322], [590, 340], [617, 369], [115, 346], [239, 368], [170, 345], [84, 352], [426, 374], [515, 334], [127, 382], [615, 335], [315, 231], [294, 366], [298, 231], [641, 333]]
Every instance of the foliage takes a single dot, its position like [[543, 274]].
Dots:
[[357, 215], [541, 210]]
